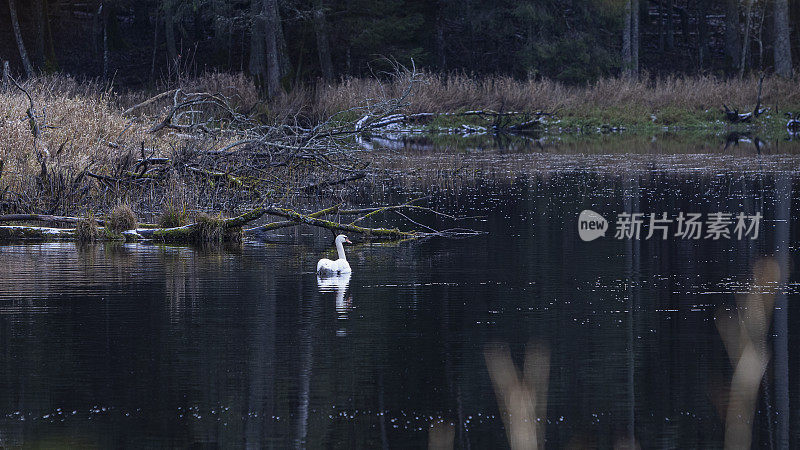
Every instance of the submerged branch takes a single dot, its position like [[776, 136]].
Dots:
[[15, 233], [44, 218], [336, 226], [209, 229]]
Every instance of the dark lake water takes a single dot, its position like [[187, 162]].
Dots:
[[145, 346]]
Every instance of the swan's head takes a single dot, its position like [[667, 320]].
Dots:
[[341, 239]]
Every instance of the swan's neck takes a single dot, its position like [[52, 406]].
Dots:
[[340, 250]]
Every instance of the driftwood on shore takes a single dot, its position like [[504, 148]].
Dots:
[[44, 218], [16, 233], [734, 116], [232, 229], [500, 121]]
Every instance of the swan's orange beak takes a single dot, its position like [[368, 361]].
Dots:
[[348, 241]]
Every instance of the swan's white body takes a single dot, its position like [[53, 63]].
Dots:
[[328, 267]]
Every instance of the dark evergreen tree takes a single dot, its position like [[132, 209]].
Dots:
[[288, 42]]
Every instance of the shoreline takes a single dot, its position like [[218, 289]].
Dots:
[[103, 148]]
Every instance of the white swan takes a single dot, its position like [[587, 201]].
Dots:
[[328, 267]]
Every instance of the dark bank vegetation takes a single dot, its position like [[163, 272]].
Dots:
[[76, 149], [210, 148], [211, 145]]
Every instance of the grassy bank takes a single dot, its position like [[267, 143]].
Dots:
[[95, 147], [673, 101]]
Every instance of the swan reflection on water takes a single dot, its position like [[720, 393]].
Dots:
[[338, 284]]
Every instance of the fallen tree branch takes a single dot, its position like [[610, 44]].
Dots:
[[103, 177], [291, 223], [44, 218], [734, 116], [225, 230], [229, 229], [14, 233], [374, 211], [372, 123], [216, 175], [335, 226], [148, 101], [189, 233], [36, 130]]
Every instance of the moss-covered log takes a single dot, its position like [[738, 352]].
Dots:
[[209, 229], [219, 176], [15, 233], [291, 223], [186, 234], [45, 218]]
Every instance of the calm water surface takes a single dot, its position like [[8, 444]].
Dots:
[[149, 346]]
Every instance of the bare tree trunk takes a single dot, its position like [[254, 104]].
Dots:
[[782, 47], [38, 11], [103, 13], [323, 47], [141, 16], [270, 12], [635, 37], [626, 38], [630, 39], [23, 54], [283, 50], [6, 75], [105, 48], [661, 39], [732, 46], [759, 35], [746, 43], [670, 25], [169, 32], [441, 54], [96, 29], [258, 68], [702, 33], [221, 35], [155, 49], [50, 51]]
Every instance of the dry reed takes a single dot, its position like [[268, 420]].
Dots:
[[446, 93], [121, 218]]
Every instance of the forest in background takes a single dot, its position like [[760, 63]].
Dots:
[[284, 44]]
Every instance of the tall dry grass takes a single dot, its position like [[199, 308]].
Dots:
[[238, 88], [446, 93], [84, 130], [78, 121]]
